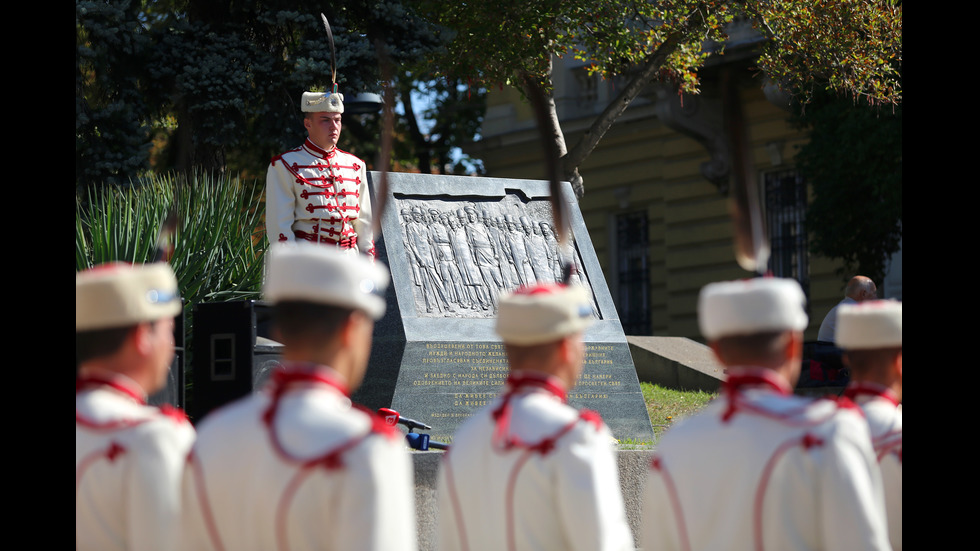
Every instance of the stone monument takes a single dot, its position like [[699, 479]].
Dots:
[[453, 244]]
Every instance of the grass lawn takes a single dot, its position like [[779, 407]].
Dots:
[[666, 407]]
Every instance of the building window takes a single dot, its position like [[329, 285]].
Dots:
[[586, 88], [786, 200], [633, 272]]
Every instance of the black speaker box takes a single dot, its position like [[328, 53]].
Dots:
[[232, 353]]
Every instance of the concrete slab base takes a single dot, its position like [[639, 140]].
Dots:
[[675, 362]]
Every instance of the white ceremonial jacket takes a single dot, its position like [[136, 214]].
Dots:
[[295, 468], [529, 472], [761, 469], [128, 463], [319, 196], [884, 415]]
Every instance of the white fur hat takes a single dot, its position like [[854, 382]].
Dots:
[[869, 324], [316, 102], [117, 295], [543, 313], [310, 272], [751, 306]]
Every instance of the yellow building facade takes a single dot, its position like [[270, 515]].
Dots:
[[660, 227]]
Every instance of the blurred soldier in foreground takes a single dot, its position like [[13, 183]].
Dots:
[[128, 456], [529, 471], [871, 335], [297, 466], [758, 467]]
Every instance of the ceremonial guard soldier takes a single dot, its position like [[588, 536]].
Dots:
[[760, 468], [529, 471], [317, 192], [297, 466], [128, 456], [870, 333]]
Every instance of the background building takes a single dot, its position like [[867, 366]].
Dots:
[[656, 190]]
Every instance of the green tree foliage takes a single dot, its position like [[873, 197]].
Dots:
[[111, 49], [219, 81], [852, 46], [218, 246], [853, 163], [452, 117]]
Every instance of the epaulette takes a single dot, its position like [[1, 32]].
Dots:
[[379, 425], [843, 402], [174, 413], [593, 417]]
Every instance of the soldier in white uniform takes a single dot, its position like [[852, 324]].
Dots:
[[128, 456], [871, 335], [317, 192], [529, 471], [760, 468], [298, 466]]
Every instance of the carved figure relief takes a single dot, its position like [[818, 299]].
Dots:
[[464, 253]]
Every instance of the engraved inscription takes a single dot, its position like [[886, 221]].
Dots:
[[446, 381], [485, 365]]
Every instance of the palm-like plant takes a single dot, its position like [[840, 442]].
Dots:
[[218, 244]]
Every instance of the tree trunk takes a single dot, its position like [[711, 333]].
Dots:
[[646, 72], [548, 122], [422, 147]]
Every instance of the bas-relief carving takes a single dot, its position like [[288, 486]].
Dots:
[[465, 253]]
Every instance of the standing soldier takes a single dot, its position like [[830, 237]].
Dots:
[[518, 248], [529, 471], [761, 468], [128, 456], [468, 267], [297, 466], [508, 273], [446, 260], [317, 192], [419, 243], [871, 335], [484, 253]]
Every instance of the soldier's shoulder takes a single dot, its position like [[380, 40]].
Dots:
[[341, 152]]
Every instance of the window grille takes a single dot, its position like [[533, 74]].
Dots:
[[633, 272], [786, 201]]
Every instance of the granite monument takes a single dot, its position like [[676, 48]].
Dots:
[[453, 244]]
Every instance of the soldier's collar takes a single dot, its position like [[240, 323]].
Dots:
[[318, 151]]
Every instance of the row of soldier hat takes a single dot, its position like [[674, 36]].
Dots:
[[116, 295], [759, 305]]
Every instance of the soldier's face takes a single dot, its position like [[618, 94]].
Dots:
[[361, 331], [161, 338], [323, 128]]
